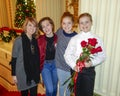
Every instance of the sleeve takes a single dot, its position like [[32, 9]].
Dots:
[[15, 48], [100, 56], [14, 57], [69, 55], [13, 66]]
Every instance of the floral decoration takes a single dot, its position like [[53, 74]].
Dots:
[[88, 48]]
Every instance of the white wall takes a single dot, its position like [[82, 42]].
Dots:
[[51, 8], [106, 24]]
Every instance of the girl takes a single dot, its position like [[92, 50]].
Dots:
[[25, 59], [47, 47], [86, 78], [64, 35]]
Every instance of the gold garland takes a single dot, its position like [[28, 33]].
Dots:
[[73, 4]]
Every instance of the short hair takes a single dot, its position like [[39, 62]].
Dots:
[[85, 15], [67, 14], [50, 21], [33, 21]]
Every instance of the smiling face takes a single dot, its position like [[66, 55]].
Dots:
[[85, 23], [67, 24], [47, 28], [30, 28]]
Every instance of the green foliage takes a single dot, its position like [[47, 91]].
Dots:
[[20, 14], [12, 34], [30, 9], [24, 8], [71, 84]]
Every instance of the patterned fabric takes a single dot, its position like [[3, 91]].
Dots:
[[63, 39]]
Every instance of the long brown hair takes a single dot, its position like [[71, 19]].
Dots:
[[50, 21]]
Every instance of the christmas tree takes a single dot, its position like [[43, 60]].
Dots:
[[30, 9], [24, 8], [20, 14]]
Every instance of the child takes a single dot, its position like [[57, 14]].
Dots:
[[25, 59], [64, 35], [86, 78], [47, 47]]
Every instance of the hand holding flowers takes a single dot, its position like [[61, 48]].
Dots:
[[88, 49]]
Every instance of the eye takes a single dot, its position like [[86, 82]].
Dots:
[[87, 22], [69, 22], [30, 25], [81, 23], [48, 24], [63, 23]]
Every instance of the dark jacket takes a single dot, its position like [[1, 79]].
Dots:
[[42, 43]]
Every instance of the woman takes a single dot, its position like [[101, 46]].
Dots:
[[64, 34], [25, 61], [47, 46]]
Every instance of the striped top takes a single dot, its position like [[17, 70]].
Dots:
[[63, 39]]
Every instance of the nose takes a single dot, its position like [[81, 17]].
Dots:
[[66, 25], [84, 24], [32, 28]]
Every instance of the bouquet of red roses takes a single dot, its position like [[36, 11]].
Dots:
[[88, 48]]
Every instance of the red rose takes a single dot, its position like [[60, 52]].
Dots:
[[83, 43], [92, 41], [96, 50], [99, 49], [93, 51]]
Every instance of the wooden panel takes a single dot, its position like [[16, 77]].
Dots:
[[8, 57], [8, 86], [41, 90], [6, 74], [5, 63], [2, 54]]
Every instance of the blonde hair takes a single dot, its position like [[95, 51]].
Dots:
[[33, 21], [85, 15]]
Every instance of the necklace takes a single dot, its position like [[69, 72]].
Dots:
[[32, 49]]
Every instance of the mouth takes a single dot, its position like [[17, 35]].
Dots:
[[85, 28], [67, 28]]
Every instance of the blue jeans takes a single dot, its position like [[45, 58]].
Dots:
[[62, 77], [49, 76]]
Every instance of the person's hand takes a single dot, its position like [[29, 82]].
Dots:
[[14, 79], [76, 68]]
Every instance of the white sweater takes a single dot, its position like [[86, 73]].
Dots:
[[74, 49]]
